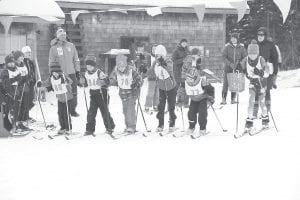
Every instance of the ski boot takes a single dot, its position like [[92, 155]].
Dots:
[[199, 134], [223, 101]]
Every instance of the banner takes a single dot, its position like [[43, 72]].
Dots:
[[6, 22], [154, 11], [284, 7], [200, 10], [241, 7], [74, 14]]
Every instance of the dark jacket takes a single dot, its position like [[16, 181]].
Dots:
[[31, 71], [232, 56], [268, 51], [178, 56]]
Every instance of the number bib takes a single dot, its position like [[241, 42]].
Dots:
[[125, 80], [91, 80], [58, 87], [194, 90], [161, 73], [12, 74], [23, 71]]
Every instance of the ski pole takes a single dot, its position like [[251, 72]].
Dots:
[[224, 130], [273, 121], [86, 105], [38, 98], [139, 104]]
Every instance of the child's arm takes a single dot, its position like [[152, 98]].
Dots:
[[103, 79]]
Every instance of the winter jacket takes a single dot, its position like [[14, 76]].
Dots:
[[64, 78], [135, 85], [9, 81], [101, 82], [232, 56], [178, 56], [31, 71], [268, 51], [164, 74], [207, 89], [258, 77], [66, 55]]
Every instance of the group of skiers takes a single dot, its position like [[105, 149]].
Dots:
[[178, 77]]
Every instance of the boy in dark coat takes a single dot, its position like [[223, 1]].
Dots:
[[97, 83]]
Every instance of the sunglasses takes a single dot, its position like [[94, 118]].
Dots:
[[260, 34]]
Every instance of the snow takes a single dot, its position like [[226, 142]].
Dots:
[[46, 8], [213, 167], [163, 3]]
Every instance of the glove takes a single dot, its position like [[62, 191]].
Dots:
[[49, 88], [8, 98], [81, 81], [210, 100], [258, 72], [133, 85], [39, 84]]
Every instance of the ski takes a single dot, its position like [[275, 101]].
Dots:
[[245, 132], [78, 135], [259, 131], [166, 132], [194, 136]]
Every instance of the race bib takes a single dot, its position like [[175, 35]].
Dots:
[[60, 51], [125, 80]]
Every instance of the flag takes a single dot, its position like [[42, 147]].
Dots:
[[200, 10]]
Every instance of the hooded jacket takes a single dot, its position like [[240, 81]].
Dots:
[[178, 56], [268, 51], [233, 55], [66, 55]]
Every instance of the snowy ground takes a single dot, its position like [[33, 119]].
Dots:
[[214, 167]]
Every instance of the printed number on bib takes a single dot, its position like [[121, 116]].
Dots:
[[60, 51]]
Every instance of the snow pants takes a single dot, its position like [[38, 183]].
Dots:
[[99, 100], [129, 111], [200, 108], [152, 97], [64, 117], [164, 96]]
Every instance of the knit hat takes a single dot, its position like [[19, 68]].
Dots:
[[60, 31], [183, 40], [263, 29], [90, 60], [253, 48], [55, 67], [9, 59], [160, 50], [26, 49], [17, 54], [121, 60], [235, 35]]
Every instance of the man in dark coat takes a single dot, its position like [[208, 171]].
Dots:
[[178, 56], [268, 51]]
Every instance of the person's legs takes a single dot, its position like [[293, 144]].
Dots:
[[171, 98], [91, 115], [202, 117], [131, 113], [150, 94], [156, 96], [192, 114], [224, 89], [104, 109], [161, 107], [74, 92], [60, 111]]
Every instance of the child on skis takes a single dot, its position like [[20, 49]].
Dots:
[[257, 72], [163, 69], [23, 112], [10, 80], [97, 83], [60, 84], [129, 82], [198, 88]]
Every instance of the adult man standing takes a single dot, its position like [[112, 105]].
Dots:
[[178, 56], [233, 54], [66, 55], [268, 51]]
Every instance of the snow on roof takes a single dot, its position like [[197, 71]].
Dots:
[[46, 8], [162, 3]]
